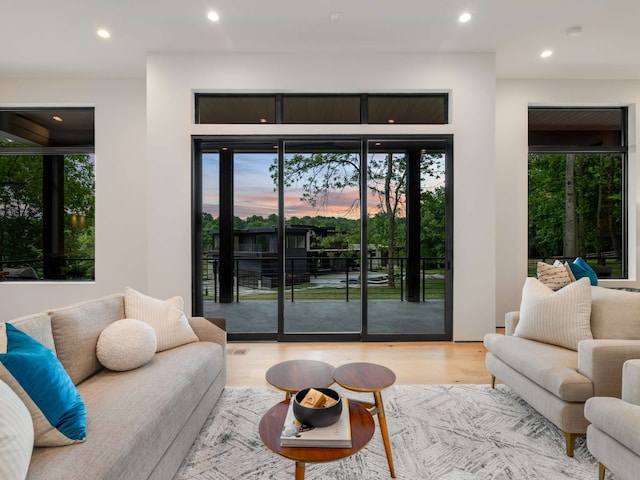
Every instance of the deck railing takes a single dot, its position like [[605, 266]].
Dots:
[[324, 278]]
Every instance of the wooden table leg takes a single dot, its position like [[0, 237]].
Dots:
[[382, 419], [299, 470]]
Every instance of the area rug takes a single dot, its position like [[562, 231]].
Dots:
[[438, 432]]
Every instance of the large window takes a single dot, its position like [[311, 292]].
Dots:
[[577, 187], [47, 187]]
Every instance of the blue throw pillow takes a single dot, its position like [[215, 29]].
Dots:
[[37, 376], [581, 269]]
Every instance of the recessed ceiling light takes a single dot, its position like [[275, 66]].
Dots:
[[391, 120], [546, 53], [57, 118], [263, 120], [465, 17], [213, 16], [103, 33]]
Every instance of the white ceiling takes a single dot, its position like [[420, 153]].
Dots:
[[45, 37]]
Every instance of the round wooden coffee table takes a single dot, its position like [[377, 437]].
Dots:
[[372, 378], [362, 428], [294, 375]]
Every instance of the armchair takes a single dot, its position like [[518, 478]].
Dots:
[[613, 436]]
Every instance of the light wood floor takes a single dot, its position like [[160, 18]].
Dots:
[[413, 363]]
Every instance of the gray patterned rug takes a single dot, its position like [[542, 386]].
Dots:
[[438, 432]]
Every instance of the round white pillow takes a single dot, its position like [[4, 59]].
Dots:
[[16, 434], [126, 344]]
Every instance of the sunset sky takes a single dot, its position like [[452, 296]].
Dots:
[[255, 194]]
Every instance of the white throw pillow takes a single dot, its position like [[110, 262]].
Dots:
[[126, 344], [16, 435], [560, 318], [165, 317]]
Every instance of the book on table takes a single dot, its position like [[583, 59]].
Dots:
[[338, 435]]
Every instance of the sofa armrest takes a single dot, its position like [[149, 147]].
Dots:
[[631, 381], [601, 361], [208, 331], [511, 319]]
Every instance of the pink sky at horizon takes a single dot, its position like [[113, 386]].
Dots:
[[255, 194]]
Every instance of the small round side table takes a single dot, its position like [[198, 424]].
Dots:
[[371, 378], [295, 375]]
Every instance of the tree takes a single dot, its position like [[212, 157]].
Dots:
[[323, 173], [570, 234], [433, 222], [575, 205], [20, 207]]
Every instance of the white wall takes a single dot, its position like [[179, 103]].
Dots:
[[143, 167], [121, 188], [513, 97], [172, 79]]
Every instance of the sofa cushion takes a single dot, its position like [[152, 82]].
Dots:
[[16, 435], [553, 368], [560, 318], [133, 416], [126, 344], [166, 317], [76, 329], [38, 327], [39, 379], [615, 314]]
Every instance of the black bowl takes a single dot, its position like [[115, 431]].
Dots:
[[317, 417]]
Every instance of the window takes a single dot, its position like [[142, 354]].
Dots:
[[321, 109], [416, 109], [47, 188], [578, 187], [236, 109]]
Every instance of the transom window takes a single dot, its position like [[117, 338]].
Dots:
[[421, 109]]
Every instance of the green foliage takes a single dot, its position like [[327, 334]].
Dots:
[[598, 185], [21, 209], [433, 223]]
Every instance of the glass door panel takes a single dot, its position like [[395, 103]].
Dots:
[[245, 293], [322, 237], [406, 233]]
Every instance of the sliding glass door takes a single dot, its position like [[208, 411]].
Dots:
[[338, 238], [321, 193], [408, 254]]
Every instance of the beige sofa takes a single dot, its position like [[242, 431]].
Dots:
[[140, 423], [557, 381], [613, 436]]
